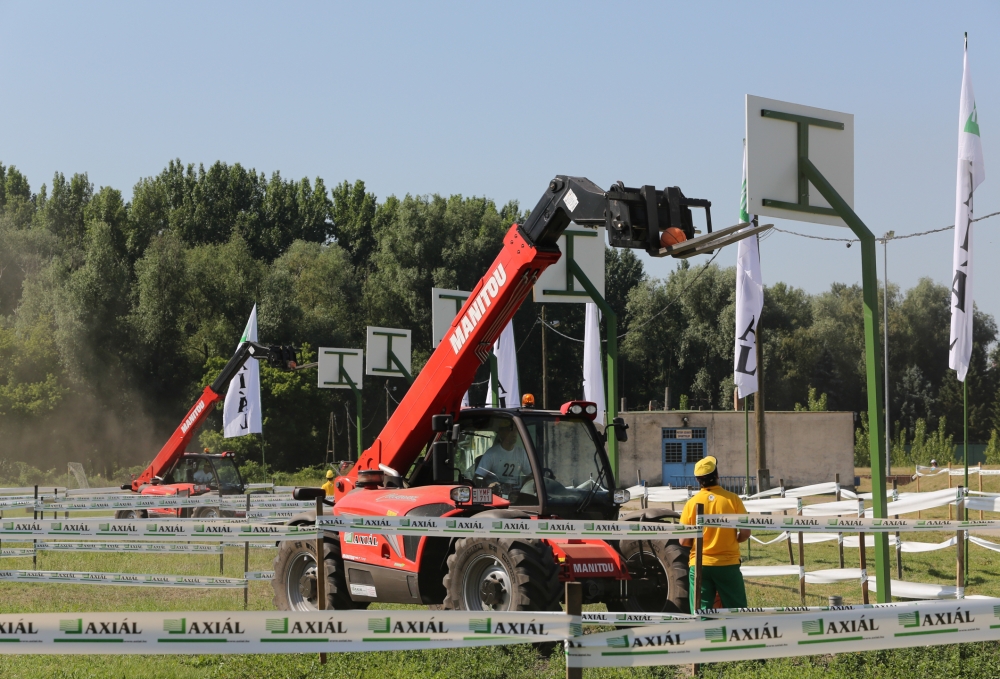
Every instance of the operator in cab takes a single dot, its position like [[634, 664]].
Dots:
[[506, 459], [328, 486], [204, 475], [720, 572]]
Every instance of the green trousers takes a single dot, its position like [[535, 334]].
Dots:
[[727, 581]]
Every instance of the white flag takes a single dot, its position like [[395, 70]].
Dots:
[[971, 173], [749, 301], [506, 353], [593, 375], [241, 414]]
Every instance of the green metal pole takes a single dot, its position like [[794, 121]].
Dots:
[[965, 457], [357, 398], [876, 396], [494, 382], [394, 360], [612, 377]]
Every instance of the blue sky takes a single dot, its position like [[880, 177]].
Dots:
[[494, 99]]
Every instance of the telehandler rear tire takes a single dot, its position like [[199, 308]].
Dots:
[[127, 514], [294, 582], [659, 571], [502, 575]]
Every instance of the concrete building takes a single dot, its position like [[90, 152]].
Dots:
[[802, 447]]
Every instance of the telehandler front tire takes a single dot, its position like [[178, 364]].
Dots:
[[294, 582], [502, 575]]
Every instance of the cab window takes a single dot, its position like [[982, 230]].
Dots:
[[491, 454]]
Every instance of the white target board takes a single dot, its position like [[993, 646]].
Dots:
[[778, 132], [382, 342], [585, 246], [335, 364], [445, 305]]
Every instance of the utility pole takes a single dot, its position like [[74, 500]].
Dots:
[[545, 366], [885, 344]]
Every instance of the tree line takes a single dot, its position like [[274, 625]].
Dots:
[[115, 313]]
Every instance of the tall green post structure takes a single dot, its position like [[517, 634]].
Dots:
[[611, 393], [809, 173]]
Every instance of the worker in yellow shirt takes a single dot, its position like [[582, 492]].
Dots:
[[720, 573], [328, 486]]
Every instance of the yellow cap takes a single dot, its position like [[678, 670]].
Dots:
[[704, 466], [329, 473]]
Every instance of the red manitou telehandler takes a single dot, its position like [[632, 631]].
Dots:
[[176, 472], [433, 459]]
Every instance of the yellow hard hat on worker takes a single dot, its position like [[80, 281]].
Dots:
[[329, 473], [705, 466]]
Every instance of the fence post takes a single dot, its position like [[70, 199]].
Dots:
[[802, 563], [949, 485], [696, 595], [574, 606], [246, 557], [34, 543], [320, 568], [791, 557], [840, 536], [960, 539], [899, 545], [980, 487], [864, 560]]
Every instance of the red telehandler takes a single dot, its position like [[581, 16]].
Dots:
[[434, 459], [176, 472]]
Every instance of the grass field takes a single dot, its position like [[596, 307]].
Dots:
[[978, 660]]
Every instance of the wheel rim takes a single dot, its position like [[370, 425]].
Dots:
[[301, 583], [209, 513], [128, 514], [487, 585], [649, 587]]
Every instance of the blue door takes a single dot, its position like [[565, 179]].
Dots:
[[682, 448]]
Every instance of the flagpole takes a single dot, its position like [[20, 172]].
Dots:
[[746, 432]]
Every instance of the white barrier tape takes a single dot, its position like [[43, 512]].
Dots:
[[73, 492], [254, 545], [771, 571], [14, 502], [667, 494], [258, 486], [866, 525], [103, 530], [204, 632], [921, 590], [272, 513], [842, 508], [129, 547], [30, 490], [125, 579], [16, 552], [259, 575], [776, 505], [269, 504], [910, 503], [827, 488], [492, 527], [133, 502], [766, 636]]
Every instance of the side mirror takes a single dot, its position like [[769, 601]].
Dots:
[[308, 493], [442, 464], [441, 422], [620, 429]]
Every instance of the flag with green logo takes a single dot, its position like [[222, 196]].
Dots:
[[971, 173], [241, 413], [749, 301]]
